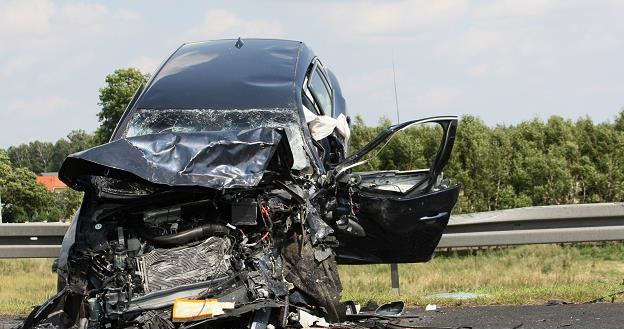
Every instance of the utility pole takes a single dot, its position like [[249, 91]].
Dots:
[[0, 207]]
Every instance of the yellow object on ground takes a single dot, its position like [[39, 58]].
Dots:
[[197, 309]]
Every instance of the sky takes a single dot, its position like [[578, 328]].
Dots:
[[504, 61]]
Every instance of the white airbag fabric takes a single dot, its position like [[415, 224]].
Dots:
[[322, 126]]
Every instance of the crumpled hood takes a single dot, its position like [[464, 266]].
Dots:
[[217, 159]]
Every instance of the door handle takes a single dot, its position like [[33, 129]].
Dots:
[[435, 217]]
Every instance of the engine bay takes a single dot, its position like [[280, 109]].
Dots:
[[230, 248]]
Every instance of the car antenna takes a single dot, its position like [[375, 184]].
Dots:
[[239, 43], [394, 267], [396, 97]]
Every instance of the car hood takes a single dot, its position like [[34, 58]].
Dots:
[[216, 159]]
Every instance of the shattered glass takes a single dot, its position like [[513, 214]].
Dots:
[[150, 121], [147, 121]]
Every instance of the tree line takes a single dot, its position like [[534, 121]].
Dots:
[[532, 163], [536, 162]]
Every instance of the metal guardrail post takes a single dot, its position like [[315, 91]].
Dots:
[[394, 278]]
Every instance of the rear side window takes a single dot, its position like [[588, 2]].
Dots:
[[321, 91]]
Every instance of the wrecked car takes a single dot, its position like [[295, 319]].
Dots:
[[227, 196]]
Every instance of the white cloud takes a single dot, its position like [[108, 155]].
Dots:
[[517, 8], [439, 98], [496, 51], [59, 73], [38, 108], [34, 29], [48, 53], [40, 117], [478, 41], [220, 23], [145, 64], [27, 17], [598, 41], [489, 69], [392, 18], [374, 90], [18, 63], [375, 84]]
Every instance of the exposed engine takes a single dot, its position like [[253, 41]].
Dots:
[[231, 247]]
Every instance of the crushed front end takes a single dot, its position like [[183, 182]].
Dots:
[[246, 247]]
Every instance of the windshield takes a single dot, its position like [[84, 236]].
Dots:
[[150, 121], [145, 122]]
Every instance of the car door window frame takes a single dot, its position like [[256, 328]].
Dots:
[[449, 126]]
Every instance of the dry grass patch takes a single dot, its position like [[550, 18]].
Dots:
[[25, 283], [519, 275]]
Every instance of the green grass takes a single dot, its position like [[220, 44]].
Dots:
[[518, 275]]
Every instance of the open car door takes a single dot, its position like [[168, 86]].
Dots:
[[396, 215]]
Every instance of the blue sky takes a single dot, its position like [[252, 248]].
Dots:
[[504, 61]]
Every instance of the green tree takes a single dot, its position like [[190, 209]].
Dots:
[[23, 198], [619, 121], [531, 163], [44, 156], [66, 203], [114, 97], [37, 156]]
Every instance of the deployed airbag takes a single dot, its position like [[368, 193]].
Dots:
[[322, 126]]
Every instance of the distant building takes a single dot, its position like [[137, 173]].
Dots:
[[51, 181]]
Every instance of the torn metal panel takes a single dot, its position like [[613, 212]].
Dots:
[[214, 159]]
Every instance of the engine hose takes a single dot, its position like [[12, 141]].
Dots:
[[184, 237]]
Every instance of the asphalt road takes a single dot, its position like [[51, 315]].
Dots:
[[8, 321], [572, 316], [590, 316]]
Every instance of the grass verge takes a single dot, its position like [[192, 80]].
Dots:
[[511, 276], [517, 275], [25, 283]]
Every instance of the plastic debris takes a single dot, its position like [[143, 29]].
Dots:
[[458, 295], [307, 320], [188, 309]]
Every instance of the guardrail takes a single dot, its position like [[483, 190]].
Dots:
[[31, 240], [531, 225], [535, 225]]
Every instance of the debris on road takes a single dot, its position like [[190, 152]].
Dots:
[[458, 295]]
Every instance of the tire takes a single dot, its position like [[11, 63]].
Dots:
[[317, 280]]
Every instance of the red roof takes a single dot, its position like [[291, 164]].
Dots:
[[51, 182]]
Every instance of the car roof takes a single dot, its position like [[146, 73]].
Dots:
[[229, 74]]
